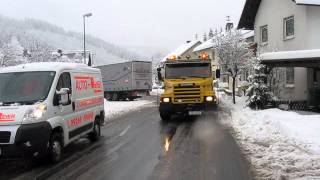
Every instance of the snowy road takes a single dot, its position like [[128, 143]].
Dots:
[[139, 146]]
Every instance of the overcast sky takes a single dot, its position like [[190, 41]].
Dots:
[[162, 24]]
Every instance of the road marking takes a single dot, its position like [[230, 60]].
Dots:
[[125, 131]]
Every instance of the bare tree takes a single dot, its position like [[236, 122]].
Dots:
[[233, 54]]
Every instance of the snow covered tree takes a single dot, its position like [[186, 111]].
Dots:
[[205, 38], [12, 53], [233, 54], [211, 34], [258, 92]]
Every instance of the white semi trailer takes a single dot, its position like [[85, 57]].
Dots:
[[128, 80]]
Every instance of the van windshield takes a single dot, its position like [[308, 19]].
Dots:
[[24, 87]]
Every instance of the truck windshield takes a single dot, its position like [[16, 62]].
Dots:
[[198, 70], [24, 87]]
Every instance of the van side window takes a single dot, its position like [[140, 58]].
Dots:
[[63, 82]]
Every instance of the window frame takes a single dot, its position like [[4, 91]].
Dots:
[[62, 77], [292, 81], [285, 20], [261, 35]]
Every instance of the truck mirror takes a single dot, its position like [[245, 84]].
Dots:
[[160, 78], [63, 96], [218, 73]]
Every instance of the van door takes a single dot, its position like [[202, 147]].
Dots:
[[66, 111]]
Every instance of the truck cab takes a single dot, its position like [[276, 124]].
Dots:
[[188, 87], [46, 106]]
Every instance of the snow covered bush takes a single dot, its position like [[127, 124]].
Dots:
[[258, 92]]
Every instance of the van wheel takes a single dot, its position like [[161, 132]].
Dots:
[[96, 133], [55, 148]]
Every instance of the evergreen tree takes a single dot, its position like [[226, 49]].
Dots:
[[205, 38], [258, 92], [12, 53], [211, 34]]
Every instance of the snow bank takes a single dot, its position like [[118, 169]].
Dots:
[[118, 108], [279, 144]]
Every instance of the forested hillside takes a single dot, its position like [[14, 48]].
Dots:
[[32, 40]]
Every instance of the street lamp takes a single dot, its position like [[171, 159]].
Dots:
[[84, 34]]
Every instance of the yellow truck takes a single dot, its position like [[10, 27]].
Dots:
[[188, 86]]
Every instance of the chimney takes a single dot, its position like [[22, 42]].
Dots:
[[229, 26]]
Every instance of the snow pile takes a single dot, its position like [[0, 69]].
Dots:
[[279, 144], [117, 108]]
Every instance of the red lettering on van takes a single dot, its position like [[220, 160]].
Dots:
[[7, 117], [81, 85]]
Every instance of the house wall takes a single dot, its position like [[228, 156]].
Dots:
[[307, 23], [313, 27]]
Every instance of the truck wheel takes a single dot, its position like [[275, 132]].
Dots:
[[108, 96], [96, 132], [115, 97], [55, 148], [165, 116]]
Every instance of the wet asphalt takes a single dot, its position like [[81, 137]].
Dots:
[[139, 146]]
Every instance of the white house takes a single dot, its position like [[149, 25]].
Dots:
[[285, 32]]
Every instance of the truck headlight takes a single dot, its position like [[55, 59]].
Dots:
[[166, 100], [209, 98], [35, 113]]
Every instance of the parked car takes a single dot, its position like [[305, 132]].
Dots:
[[48, 106]]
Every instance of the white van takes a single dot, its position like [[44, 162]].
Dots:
[[45, 106]]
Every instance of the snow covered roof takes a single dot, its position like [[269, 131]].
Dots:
[[45, 66], [206, 45], [182, 49], [308, 2], [247, 34], [291, 55]]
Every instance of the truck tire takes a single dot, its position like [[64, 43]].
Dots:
[[96, 132], [55, 148], [108, 96], [115, 97], [165, 116]]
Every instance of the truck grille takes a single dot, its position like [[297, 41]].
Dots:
[[187, 94], [5, 136]]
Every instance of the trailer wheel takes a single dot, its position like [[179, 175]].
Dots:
[[108, 96], [115, 97]]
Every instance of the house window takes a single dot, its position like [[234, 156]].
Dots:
[[288, 26], [264, 34], [290, 75]]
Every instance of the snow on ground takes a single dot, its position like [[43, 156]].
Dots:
[[118, 108], [279, 144], [156, 92]]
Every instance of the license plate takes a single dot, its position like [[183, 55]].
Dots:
[[195, 113]]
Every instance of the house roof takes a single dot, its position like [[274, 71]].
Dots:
[[182, 49], [251, 8], [301, 58], [205, 45]]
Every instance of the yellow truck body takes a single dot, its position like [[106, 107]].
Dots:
[[188, 88]]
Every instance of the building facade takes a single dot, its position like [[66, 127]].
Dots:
[[283, 26]]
